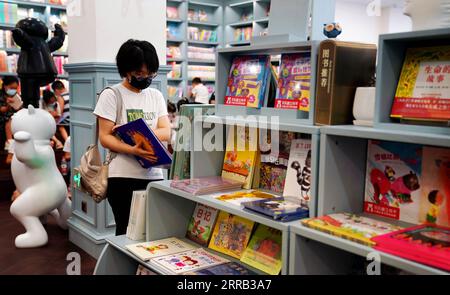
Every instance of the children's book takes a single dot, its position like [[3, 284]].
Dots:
[[138, 133], [425, 244], [351, 227], [394, 180], [298, 177], [150, 250], [227, 269], [231, 234], [435, 202], [264, 250], [187, 261], [294, 84], [240, 156], [237, 198], [201, 225], [199, 186], [274, 159], [281, 209], [423, 90], [248, 81]]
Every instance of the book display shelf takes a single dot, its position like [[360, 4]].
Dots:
[[17, 10]]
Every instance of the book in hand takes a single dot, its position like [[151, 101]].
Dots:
[[280, 209], [423, 91], [231, 234], [264, 250], [138, 133], [240, 197], [294, 83], [351, 227], [206, 185], [201, 224], [149, 250], [193, 260], [426, 244], [227, 269]]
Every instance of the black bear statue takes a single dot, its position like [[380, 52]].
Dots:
[[36, 67]]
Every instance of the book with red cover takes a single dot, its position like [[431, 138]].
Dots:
[[426, 244]]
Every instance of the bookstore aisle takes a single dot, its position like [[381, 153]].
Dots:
[[324, 148]]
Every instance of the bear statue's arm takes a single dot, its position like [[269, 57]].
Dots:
[[22, 39], [25, 151], [58, 40]]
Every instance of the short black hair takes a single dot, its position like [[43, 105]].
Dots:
[[196, 81], [171, 107], [182, 102], [8, 80], [134, 54], [432, 196], [47, 95], [58, 85]]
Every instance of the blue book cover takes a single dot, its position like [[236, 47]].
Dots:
[[279, 209], [137, 132], [227, 269]]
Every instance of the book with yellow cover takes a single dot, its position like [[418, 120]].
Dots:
[[351, 227], [423, 91], [264, 250], [250, 90], [231, 234], [241, 156]]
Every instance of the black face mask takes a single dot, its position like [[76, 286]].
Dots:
[[140, 83]]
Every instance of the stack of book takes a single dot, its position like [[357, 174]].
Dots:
[[175, 73], [173, 52], [6, 39], [206, 73], [207, 185], [243, 34], [197, 34], [201, 53], [136, 224]]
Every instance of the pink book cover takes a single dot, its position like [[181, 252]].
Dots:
[[426, 244], [197, 185]]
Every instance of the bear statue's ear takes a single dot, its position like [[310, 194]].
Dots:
[[31, 110]]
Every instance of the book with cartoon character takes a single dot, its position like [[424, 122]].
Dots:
[[148, 250], [137, 132], [294, 83], [281, 209], [298, 178], [201, 224], [180, 263], [231, 234], [248, 80], [264, 250], [240, 197], [394, 180]]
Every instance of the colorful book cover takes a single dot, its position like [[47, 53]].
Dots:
[[298, 178], [294, 84], [188, 261], [231, 234], [281, 209], [394, 180], [201, 224], [425, 244], [237, 198], [247, 81], [351, 227], [150, 250], [240, 156], [274, 160], [227, 269], [138, 133], [197, 186], [264, 250], [423, 91], [435, 206]]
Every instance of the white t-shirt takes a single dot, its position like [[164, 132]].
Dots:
[[148, 105], [201, 94], [66, 148]]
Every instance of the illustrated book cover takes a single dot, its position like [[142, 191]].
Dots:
[[201, 224], [281, 209], [149, 250], [240, 197]]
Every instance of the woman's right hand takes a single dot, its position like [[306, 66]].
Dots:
[[138, 150]]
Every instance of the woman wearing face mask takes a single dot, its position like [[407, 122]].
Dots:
[[138, 64], [10, 102]]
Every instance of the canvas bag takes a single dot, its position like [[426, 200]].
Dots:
[[93, 171]]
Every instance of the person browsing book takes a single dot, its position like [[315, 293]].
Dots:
[[200, 93], [138, 64]]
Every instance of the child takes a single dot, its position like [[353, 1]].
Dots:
[[50, 104], [10, 102], [200, 93]]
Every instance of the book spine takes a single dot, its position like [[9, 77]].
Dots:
[[325, 83]]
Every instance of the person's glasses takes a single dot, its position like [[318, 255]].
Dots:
[[150, 76]]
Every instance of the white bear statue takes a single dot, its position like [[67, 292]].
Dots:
[[37, 177]]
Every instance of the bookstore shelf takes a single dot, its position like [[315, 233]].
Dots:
[[200, 23], [241, 24], [3, 74], [175, 59], [7, 26], [174, 20], [201, 61], [262, 20], [196, 42], [169, 212], [239, 43], [173, 40], [315, 252], [36, 4], [248, 3], [199, 3], [11, 50], [175, 79]]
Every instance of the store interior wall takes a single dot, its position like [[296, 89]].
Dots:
[[359, 26]]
